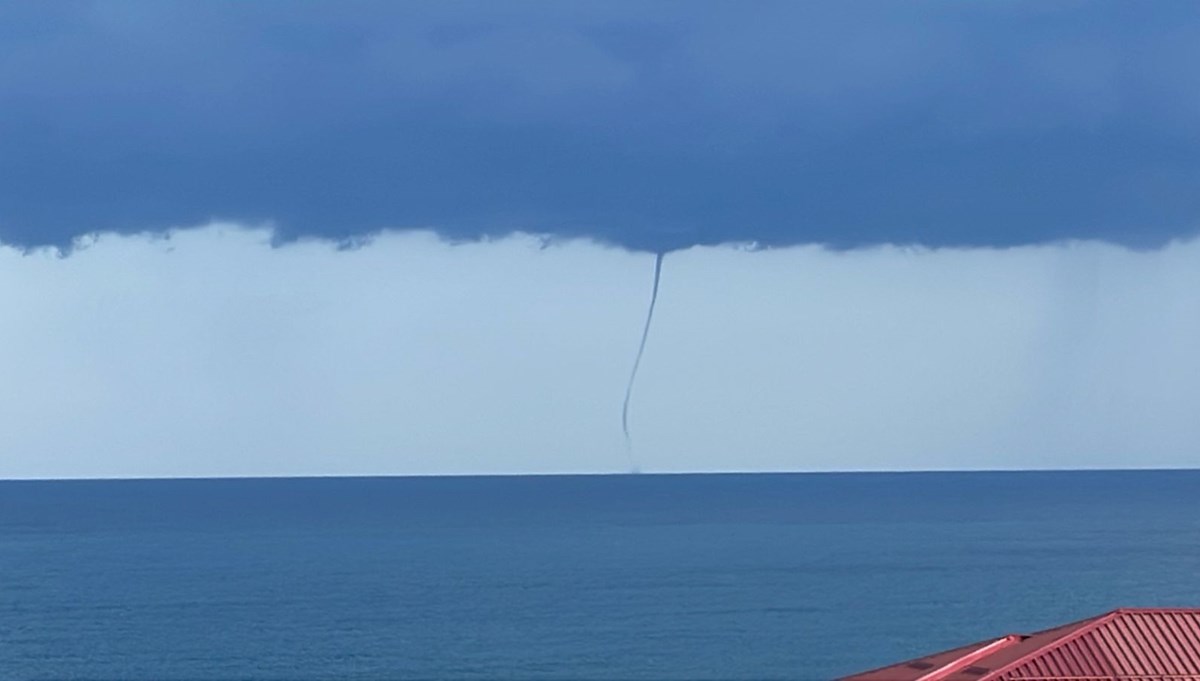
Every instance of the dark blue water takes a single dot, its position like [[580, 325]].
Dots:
[[623, 577]]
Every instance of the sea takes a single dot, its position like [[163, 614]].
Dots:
[[765, 576]]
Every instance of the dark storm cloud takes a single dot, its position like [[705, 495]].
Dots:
[[651, 125]]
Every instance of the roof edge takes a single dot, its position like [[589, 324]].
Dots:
[[973, 656], [1089, 624], [965, 649]]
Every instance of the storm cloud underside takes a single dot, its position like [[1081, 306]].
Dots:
[[652, 125]]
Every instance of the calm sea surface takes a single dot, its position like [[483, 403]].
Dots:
[[613, 577]]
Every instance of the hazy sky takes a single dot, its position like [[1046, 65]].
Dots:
[[417, 237], [212, 353]]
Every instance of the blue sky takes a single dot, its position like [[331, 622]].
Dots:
[[281, 238], [652, 125]]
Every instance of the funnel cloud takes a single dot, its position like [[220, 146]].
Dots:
[[637, 361]]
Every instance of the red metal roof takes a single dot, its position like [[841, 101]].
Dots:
[[1136, 644]]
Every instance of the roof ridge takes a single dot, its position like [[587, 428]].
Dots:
[[974, 645], [1089, 624], [973, 656]]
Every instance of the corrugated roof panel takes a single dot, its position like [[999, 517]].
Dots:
[[1123, 645], [1029, 645]]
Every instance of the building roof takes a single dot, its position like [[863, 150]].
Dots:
[[1160, 644]]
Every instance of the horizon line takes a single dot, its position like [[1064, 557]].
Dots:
[[385, 476]]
